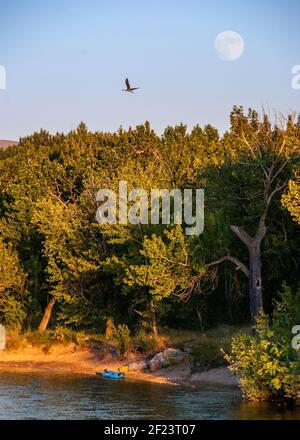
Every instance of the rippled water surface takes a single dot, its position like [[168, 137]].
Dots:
[[41, 396]]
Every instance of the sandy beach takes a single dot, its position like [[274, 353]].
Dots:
[[83, 361]]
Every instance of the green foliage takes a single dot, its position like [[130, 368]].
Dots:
[[167, 267], [52, 246], [267, 365], [144, 342], [12, 288], [71, 258], [121, 336], [291, 200], [207, 350]]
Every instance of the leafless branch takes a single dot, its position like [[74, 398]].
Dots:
[[237, 262]]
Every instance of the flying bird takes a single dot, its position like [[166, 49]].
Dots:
[[128, 87]]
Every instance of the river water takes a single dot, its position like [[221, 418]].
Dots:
[[41, 396]]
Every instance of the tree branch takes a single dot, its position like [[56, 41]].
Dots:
[[242, 234], [237, 262]]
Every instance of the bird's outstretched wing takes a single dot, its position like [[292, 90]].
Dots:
[[127, 84], [134, 88]]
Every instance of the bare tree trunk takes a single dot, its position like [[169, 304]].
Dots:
[[253, 245], [255, 282], [47, 315]]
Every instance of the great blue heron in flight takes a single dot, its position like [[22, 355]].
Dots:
[[128, 87]]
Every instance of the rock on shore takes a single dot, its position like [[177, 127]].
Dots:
[[164, 359]]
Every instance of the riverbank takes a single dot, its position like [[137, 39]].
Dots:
[[69, 359]]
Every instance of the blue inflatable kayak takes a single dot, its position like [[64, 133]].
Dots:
[[114, 375]]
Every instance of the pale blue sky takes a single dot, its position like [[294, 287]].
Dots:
[[66, 61]]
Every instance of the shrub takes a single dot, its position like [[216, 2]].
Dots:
[[144, 342], [15, 341], [267, 365], [65, 335], [121, 335], [206, 353], [36, 338]]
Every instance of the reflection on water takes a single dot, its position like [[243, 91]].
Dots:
[[41, 396]]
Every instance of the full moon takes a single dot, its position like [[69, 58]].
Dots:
[[229, 46]]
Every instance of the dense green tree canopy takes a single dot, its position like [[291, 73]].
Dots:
[[53, 251]]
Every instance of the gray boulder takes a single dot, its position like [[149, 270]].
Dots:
[[157, 362], [141, 366], [132, 367], [173, 353], [137, 366]]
